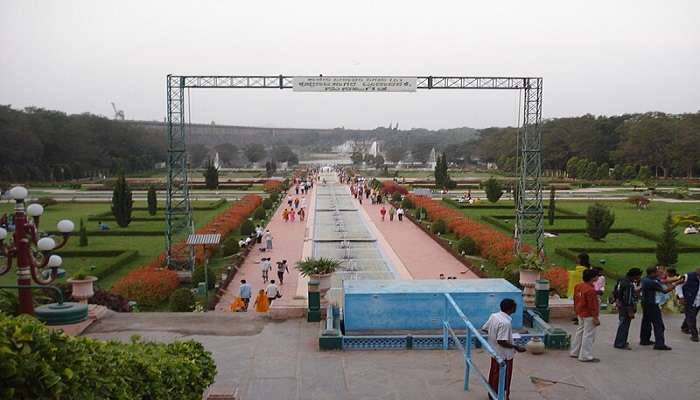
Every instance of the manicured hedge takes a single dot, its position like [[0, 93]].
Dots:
[[38, 363]]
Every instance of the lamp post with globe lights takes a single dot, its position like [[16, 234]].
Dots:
[[29, 250]]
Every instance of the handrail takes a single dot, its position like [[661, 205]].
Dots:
[[58, 291], [466, 349]]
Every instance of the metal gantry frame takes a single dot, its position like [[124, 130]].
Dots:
[[529, 212]]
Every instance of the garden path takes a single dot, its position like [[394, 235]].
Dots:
[[287, 244], [419, 253]]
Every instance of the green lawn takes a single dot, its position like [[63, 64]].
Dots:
[[626, 217], [147, 246]]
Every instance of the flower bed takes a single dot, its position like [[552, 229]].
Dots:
[[558, 278], [152, 284], [493, 244], [272, 186]]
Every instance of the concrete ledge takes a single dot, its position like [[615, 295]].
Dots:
[[281, 313]]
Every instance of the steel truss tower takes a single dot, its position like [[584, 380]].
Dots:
[[529, 213]]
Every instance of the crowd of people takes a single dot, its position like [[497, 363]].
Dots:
[[270, 289], [655, 289]]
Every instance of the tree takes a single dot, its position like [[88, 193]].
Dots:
[[395, 152], [122, 202], [494, 189], [629, 172], [198, 152], [227, 152], [618, 172], [357, 157], [379, 161], [551, 210], [644, 174], [572, 167], [83, 234], [599, 219], [421, 151], [254, 152], [667, 247], [603, 171], [211, 176], [152, 200], [442, 175], [283, 153], [270, 168]]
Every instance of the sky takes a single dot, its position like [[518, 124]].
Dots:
[[598, 57]]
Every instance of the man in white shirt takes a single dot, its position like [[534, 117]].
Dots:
[[500, 336], [271, 291]]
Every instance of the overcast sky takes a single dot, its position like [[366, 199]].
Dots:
[[599, 57]]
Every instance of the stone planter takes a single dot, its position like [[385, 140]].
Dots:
[[324, 282], [528, 278], [82, 289]]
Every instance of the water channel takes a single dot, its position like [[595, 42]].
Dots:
[[341, 232]]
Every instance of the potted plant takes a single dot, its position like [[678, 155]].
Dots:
[[82, 286], [530, 266], [320, 269]]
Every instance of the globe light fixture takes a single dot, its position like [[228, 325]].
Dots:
[[65, 226], [18, 193], [3, 233], [46, 244], [54, 261], [35, 210]]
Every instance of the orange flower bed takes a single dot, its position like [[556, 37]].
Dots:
[[148, 286], [493, 244], [391, 187], [151, 284], [272, 186], [558, 278]]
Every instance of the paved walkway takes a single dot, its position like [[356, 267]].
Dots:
[[287, 244], [264, 360], [420, 255]]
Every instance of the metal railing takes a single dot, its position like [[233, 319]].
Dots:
[[472, 332]]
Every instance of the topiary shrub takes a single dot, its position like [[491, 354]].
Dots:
[[466, 245], [198, 276], [493, 189], [667, 247], [46, 201], [247, 227], [599, 219], [39, 363], [396, 197], [182, 300], [438, 227], [260, 213], [274, 197], [406, 203], [230, 247], [267, 204]]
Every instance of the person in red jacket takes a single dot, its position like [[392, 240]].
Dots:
[[587, 307]]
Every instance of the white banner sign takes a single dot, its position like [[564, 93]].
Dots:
[[354, 84]]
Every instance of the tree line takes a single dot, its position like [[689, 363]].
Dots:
[[589, 147], [46, 145]]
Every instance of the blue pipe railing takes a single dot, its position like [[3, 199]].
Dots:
[[471, 331]]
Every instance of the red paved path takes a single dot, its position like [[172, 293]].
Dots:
[[287, 243], [422, 257]]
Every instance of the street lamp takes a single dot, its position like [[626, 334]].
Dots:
[[31, 252]]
